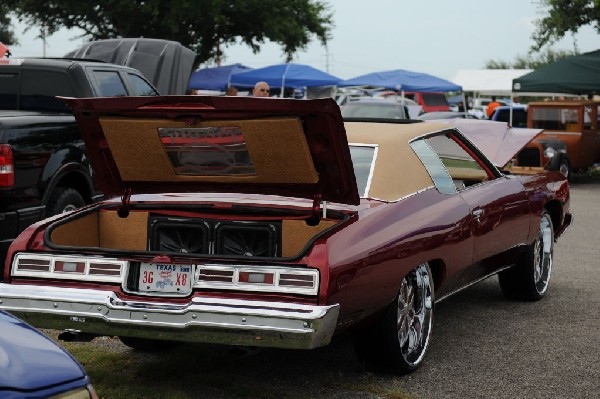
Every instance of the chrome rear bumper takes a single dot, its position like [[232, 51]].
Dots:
[[211, 320]]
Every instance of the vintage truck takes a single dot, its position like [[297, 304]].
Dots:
[[43, 166], [570, 141]]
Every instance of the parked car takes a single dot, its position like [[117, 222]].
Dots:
[[570, 141], [380, 109], [430, 102], [34, 366], [271, 223], [43, 166], [479, 105], [503, 114], [436, 115]]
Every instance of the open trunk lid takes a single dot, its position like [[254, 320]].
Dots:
[[294, 148]]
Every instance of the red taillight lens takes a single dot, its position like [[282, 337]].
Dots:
[[7, 167]]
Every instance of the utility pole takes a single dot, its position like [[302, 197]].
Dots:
[[43, 36], [326, 57]]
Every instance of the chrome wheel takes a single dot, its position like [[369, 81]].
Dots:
[[69, 208], [399, 341], [564, 168], [529, 279], [542, 255], [63, 199], [414, 314]]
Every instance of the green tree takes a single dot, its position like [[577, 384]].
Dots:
[[531, 61], [497, 64], [562, 17], [7, 36], [205, 26]]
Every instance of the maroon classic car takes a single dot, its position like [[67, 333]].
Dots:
[[271, 222]]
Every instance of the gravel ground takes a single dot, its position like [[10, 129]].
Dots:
[[483, 346]]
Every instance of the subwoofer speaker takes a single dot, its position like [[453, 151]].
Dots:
[[247, 239], [171, 235]]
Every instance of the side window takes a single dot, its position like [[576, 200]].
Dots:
[[9, 87], [109, 84], [588, 119], [363, 159], [436, 169], [40, 88], [451, 167], [140, 86]]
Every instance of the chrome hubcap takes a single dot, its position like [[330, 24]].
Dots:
[[542, 262], [564, 169], [69, 208], [415, 302]]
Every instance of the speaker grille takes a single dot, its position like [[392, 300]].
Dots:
[[179, 236], [243, 239], [207, 236]]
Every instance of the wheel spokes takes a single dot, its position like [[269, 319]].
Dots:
[[405, 300], [415, 302], [543, 255]]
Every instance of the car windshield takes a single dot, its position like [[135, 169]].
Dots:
[[362, 160], [384, 110]]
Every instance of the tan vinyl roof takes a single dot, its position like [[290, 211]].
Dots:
[[398, 171]]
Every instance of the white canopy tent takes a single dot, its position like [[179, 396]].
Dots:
[[487, 82]]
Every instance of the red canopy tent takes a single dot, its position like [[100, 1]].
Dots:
[[4, 51]]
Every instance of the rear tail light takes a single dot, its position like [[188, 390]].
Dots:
[[258, 278], [68, 267], [280, 279], [7, 167]]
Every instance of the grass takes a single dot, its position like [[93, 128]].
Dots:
[[211, 371]]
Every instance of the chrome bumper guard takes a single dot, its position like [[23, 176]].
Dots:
[[210, 320]]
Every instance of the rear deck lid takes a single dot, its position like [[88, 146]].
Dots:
[[251, 145]]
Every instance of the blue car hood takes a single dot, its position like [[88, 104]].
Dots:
[[29, 360]]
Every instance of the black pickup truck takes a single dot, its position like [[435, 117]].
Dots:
[[43, 166]]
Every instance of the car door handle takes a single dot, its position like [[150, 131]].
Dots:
[[477, 213]]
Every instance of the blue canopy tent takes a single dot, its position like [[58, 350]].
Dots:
[[216, 78], [289, 75], [401, 80]]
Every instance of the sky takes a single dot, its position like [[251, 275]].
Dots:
[[438, 37]]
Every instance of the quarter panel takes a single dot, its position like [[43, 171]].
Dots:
[[369, 258]]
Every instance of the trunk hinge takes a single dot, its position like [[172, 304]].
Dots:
[[123, 210], [315, 216]]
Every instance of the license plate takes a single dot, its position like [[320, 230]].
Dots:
[[165, 278]]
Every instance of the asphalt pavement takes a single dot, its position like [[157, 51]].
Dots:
[[483, 345]]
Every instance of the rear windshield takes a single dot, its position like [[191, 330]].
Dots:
[[434, 99], [389, 110], [9, 87], [519, 118], [40, 88]]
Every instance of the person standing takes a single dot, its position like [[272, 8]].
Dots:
[[491, 107], [261, 89]]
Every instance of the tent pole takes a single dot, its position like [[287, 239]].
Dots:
[[464, 104], [283, 80], [510, 114]]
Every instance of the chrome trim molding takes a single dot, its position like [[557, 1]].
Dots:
[[210, 320], [473, 282]]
